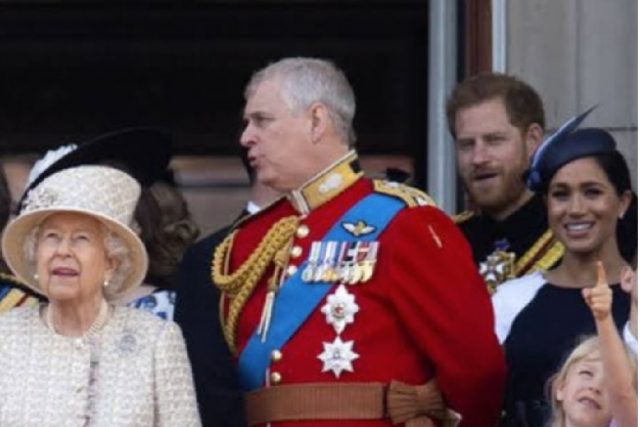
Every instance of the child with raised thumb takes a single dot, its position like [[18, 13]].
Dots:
[[596, 386]]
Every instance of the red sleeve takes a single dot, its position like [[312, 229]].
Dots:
[[443, 303]]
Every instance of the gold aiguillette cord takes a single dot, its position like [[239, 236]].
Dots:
[[276, 280]]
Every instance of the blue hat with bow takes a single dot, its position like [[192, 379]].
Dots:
[[564, 146]]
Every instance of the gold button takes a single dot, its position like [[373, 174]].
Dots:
[[291, 270], [275, 377], [276, 356], [302, 231], [296, 251]]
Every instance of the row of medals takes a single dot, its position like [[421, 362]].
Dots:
[[344, 262]]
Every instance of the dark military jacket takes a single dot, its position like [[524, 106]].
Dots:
[[524, 236]]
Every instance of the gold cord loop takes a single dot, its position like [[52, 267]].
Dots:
[[238, 285]]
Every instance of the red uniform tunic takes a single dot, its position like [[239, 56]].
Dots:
[[425, 312]]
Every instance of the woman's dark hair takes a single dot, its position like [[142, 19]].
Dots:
[[615, 166], [627, 232], [5, 210], [166, 229], [5, 199]]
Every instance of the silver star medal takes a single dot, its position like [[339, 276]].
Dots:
[[337, 356], [340, 309]]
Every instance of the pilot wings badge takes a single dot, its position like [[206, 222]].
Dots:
[[360, 228]]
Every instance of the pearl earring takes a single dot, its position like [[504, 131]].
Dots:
[[105, 283], [35, 276]]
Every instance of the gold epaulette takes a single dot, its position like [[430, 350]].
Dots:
[[543, 255], [411, 196], [462, 217]]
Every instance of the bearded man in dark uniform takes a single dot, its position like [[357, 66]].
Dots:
[[347, 299], [497, 122]]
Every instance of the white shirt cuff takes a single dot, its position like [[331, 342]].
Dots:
[[629, 339]]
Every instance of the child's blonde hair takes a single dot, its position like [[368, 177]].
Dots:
[[584, 349]]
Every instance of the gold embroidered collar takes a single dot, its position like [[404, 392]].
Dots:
[[327, 184]]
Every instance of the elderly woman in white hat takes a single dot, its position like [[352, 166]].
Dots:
[[80, 360]]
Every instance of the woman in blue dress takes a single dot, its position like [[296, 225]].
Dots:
[[167, 230], [540, 317]]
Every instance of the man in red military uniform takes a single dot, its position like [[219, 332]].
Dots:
[[348, 299]]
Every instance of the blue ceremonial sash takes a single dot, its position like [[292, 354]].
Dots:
[[296, 300], [4, 290]]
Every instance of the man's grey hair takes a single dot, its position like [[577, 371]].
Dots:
[[304, 81], [115, 249]]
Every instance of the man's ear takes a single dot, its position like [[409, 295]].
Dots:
[[320, 120], [533, 138]]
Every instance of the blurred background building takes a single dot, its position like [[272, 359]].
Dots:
[[72, 69]]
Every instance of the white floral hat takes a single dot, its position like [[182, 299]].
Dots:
[[104, 193]]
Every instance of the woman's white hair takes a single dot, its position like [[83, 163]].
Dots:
[[304, 81], [115, 249]]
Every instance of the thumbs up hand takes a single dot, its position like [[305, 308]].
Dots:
[[599, 297]]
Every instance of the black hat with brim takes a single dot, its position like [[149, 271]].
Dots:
[[142, 152]]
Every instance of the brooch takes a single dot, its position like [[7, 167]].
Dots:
[[128, 343]]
